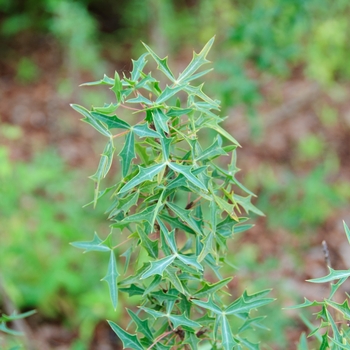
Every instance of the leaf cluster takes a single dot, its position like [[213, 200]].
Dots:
[[174, 202]]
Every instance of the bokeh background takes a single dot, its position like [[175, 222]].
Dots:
[[282, 73]]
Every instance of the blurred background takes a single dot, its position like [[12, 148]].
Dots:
[[282, 73]]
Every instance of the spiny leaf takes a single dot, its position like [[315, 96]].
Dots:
[[240, 306], [127, 154], [246, 204], [209, 305], [140, 99], [142, 130], [160, 120], [185, 170], [190, 260], [157, 267], [117, 87], [92, 121], [144, 174], [130, 341], [106, 109], [150, 246], [212, 151], [112, 122], [228, 341], [138, 66], [105, 81], [332, 276], [167, 93], [132, 290], [213, 125], [197, 61], [211, 288], [111, 279], [142, 325], [343, 308], [144, 215], [90, 246], [162, 64], [347, 231]]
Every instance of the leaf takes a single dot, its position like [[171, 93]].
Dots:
[[127, 154], [211, 288], [176, 223], [15, 316], [106, 109], [197, 61], [140, 99], [245, 203], [112, 122], [171, 274], [240, 306], [160, 120], [90, 120], [167, 93], [213, 125], [130, 341], [144, 174], [105, 81], [111, 279], [137, 67], [166, 142], [335, 286], [117, 87], [162, 64], [132, 290], [185, 170], [209, 305], [145, 215], [182, 320], [176, 112], [343, 308], [347, 231], [302, 345], [150, 246], [212, 151], [157, 267], [226, 334], [141, 325], [190, 260], [142, 130], [90, 246], [5, 329], [332, 276]]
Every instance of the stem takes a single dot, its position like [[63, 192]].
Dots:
[[157, 340]]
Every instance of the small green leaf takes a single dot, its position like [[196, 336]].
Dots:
[[106, 109], [132, 290], [228, 341], [150, 246], [167, 93], [160, 120], [213, 125], [130, 341], [157, 267], [111, 279], [185, 170], [302, 345], [117, 87], [245, 203], [145, 215], [140, 99], [197, 61], [142, 325], [211, 288], [209, 305], [90, 246], [162, 64], [112, 122], [144, 174], [343, 308], [190, 260], [240, 306], [332, 276], [142, 130], [15, 316], [213, 150], [137, 67], [176, 112], [105, 81], [127, 154], [347, 231]]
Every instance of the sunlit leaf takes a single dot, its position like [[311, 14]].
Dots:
[[127, 154], [90, 246], [111, 279], [130, 341], [157, 267], [332, 276], [112, 122]]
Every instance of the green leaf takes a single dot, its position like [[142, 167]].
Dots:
[[90, 246], [347, 231], [106, 109], [332, 276], [240, 306], [212, 151], [209, 305], [142, 325], [185, 170], [172, 275], [130, 341], [176, 223], [162, 64], [160, 120], [343, 308], [117, 87], [157, 267], [150, 246], [190, 260], [197, 61], [142, 130], [335, 286], [213, 125], [105, 81], [226, 334], [88, 118], [112, 122], [211, 288], [140, 99], [5, 329], [111, 279], [15, 316], [302, 345], [127, 154], [167, 93], [245, 203], [145, 215], [182, 320], [137, 67], [132, 290], [144, 174], [176, 112]]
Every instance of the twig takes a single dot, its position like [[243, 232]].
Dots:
[[158, 339]]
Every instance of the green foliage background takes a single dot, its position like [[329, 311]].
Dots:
[[257, 42]]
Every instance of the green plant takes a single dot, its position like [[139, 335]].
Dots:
[[175, 207], [334, 317]]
